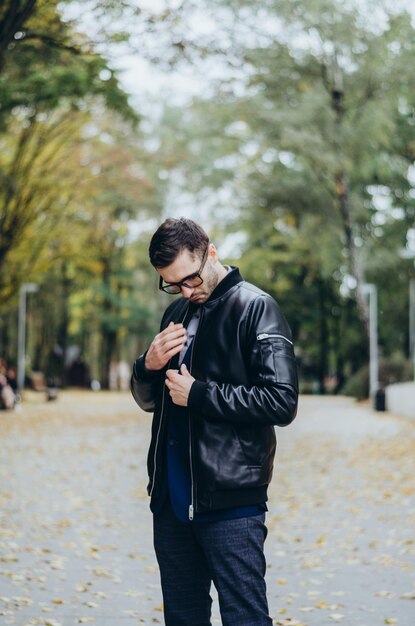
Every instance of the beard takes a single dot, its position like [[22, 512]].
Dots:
[[210, 282], [212, 279]]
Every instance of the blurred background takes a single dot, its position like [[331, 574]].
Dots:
[[285, 127]]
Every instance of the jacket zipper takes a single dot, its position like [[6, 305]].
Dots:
[[267, 336], [161, 420], [191, 506]]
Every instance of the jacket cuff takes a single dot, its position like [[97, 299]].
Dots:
[[140, 372], [197, 395]]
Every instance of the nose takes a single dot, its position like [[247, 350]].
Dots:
[[187, 291]]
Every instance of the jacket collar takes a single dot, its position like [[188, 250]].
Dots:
[[232, 278], [187, 308]]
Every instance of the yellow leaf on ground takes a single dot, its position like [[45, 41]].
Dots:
[[321, 604]]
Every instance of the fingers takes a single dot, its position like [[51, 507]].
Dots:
[[170, 374], [171, 381], [165, 345], [178, 386], [170, 332], [184, 371]]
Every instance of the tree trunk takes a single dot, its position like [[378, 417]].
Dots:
[[324, 336], [338, 349], [343, 201], [15, 16], [109, 342], [355, 264], [108, 336], [5, 350], [62, 334]]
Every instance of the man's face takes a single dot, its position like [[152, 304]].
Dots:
[[186, 264]]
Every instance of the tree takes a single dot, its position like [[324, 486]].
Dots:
[[124, 192], [314, 122], [13, 16], [45, 92], [74, 173]]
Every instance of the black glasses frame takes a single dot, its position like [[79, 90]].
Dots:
[[183, 283]]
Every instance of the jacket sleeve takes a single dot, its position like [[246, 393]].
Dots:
[[272, 395], [144, 385]]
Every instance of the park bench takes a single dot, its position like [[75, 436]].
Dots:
[[38, 383]]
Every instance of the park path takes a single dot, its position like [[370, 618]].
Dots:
[[75, 530]]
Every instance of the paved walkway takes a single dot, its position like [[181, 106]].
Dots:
[[75, 530]]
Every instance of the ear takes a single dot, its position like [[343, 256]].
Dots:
[[213, 253]]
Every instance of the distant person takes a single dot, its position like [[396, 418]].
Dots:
[[55, 366], [78, 374], [12, 378], [219, 376], [7, 393]]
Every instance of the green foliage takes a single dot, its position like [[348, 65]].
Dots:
[[395, 369], [75, 177], [50, 78], [304, 145], [50, 65], [311, 151]]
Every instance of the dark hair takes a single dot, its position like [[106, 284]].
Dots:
[[174, 235]]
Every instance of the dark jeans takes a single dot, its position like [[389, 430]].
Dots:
[[231, 553]]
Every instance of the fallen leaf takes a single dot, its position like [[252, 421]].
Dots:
[[321, 604], [409, 595]]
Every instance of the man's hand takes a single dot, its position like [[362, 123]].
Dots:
[[164, 346], [179, 385]]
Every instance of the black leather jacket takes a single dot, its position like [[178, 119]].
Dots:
[[246, 383]]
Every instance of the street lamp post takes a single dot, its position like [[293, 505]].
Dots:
[[409, 253], [21, 335], [371, 291]]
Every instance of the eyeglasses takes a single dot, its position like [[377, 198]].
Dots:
[[191, 281]]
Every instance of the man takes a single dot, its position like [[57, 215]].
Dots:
[[218, 377]]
